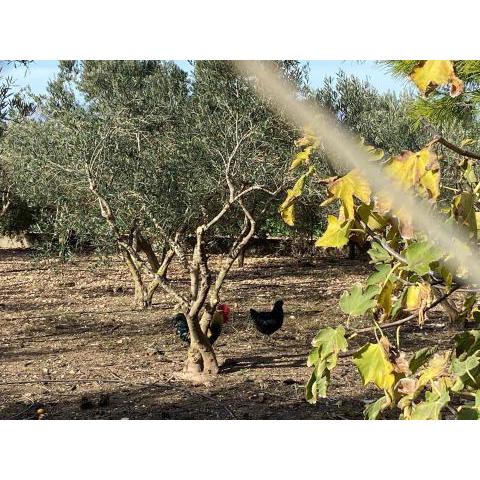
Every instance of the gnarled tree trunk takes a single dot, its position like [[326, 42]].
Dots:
[[139, 285], [201, 357], [241, 258]]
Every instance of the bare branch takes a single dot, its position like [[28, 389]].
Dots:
[[383, 243], [410, 317], [175, 243], [442, 141], [199, 268], [231, 201], [167, 286], [465, 153]]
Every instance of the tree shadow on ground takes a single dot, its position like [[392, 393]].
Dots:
[[292, 267], [262, 361], [244, 400]]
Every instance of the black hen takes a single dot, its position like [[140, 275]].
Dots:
[[181, 327], [268, 322], [219, 318]]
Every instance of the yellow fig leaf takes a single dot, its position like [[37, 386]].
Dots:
[[430, 74], [411, 298], [418, 171], [374, 366], [307, 140], [288, 215], [353, 184], [469, 173], [371, 218], [430, 184], [302, 157], [410, 169], [385, 298], [286, 208], [336, 234], [417, 296]]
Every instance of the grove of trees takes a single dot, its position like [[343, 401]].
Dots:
[[145, 161], [135, 157]]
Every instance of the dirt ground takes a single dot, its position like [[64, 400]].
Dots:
[[71, 343]]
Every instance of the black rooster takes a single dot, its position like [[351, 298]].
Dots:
[[181, 327], [268, 322], [220, 317]]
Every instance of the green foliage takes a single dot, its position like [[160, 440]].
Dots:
[[380, 275], [420, 357], [11, 104], [378, 254], [374, 409], [467, 343], [381, 119], [470, 412], [357, 301], [431, 408], [420, 388], [420, 255], [323, 358], [155, 139], [18, 218], [15, 214], [410, 270]]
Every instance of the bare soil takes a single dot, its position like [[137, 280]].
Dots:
[[69, 332]]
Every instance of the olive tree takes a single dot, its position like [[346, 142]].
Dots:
[[233, 156], [98, 128], [13, 215], [134, 156]]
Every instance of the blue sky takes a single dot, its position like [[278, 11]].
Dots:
[[39, 72]]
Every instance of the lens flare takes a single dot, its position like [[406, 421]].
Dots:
[[341, 146]]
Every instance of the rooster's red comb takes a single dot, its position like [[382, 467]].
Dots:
[[225, 309]]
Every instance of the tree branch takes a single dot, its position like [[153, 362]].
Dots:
[[454, 148], [410, 317], [383, 243], [456, 280], [167, 286], [233, 199], [351, 353], [175, 242], [437, 138]]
